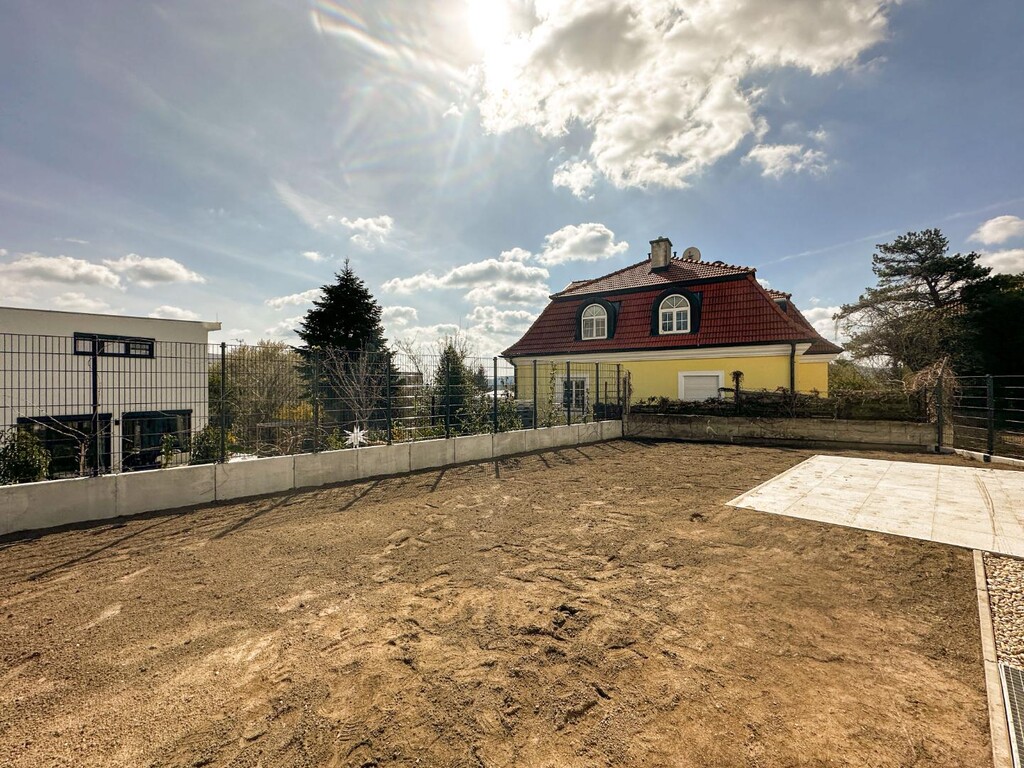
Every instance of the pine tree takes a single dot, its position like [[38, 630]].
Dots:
[[344, 344], [907, 318], [345, 317]]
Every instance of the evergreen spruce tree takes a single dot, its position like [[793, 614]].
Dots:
[[345, 317], [343, 340]]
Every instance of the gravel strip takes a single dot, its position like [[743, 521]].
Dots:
[[1006, 597]]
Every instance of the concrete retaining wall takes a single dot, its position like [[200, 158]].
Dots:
[[53, 503], [737, 429]]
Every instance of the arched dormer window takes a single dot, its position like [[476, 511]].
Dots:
[[594, 323], [674, 314]]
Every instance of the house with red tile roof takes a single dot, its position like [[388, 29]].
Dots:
[[677, 327]]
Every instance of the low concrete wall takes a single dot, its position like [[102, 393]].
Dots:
[[430, 454], [53, 503], [255, 477], [57, 502], [383, 460], [315, 469], [738, 429], [139, 492], [473, 448]]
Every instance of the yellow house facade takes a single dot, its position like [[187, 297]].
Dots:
[[672, 328]]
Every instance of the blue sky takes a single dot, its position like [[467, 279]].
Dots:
[[221, 160]]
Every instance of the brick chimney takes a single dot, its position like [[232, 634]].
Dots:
[[661, 253]]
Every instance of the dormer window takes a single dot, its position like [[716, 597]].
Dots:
[[595, 323], [675, 314]]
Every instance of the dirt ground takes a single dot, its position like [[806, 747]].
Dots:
[[587, 607]]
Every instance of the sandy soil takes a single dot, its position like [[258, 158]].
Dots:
[[585, 607]]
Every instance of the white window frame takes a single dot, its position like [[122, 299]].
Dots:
[[576, 379], [685, 310], [601, 314], [684, 374]]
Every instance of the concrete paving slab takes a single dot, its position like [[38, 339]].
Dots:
[[968, 507]]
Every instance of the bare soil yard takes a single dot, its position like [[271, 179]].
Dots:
[[585, 607]]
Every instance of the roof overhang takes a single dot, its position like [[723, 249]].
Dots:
[[692, 353]]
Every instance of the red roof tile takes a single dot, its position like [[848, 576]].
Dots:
[[641, 276], [821, 346], [734, 311]]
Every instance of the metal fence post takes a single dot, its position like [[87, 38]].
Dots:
[[447, 397], [940, 416], [316, 399], [618, 386], [597, 388], [96, 405], [535, 394], [567, 394], [223, 407], [990, 412], [387, 392], [495, 361]]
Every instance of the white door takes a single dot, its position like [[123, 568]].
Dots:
[[699, 385]]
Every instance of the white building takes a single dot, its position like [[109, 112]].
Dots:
[[120, 390]]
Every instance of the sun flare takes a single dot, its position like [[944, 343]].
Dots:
[[487, 22]]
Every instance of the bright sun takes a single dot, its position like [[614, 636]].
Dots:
[[488, 22]]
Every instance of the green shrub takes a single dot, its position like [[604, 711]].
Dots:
[[23, 459], [205, 446]]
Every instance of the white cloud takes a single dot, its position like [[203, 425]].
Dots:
[[776, 160], [369, 233], [426, 336], [35, 267], [509, 293], [501, 321], [306, 297], [173, 313], [512, 278], [76, 301], [999, 230], [284, 330], [666, 89], [313, 255], [147, 271], [516, 254], [1008, 262], [576, 176], [397, 317], [583, 242], [479, 274], [821, 319]]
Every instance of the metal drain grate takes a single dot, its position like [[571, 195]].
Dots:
[[1013, 700]]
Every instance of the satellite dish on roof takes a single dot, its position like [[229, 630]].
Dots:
[[692, 253]]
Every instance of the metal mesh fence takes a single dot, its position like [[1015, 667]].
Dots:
[[89, 404], [983, 414]]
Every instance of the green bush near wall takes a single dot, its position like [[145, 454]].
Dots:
[[23, 459]]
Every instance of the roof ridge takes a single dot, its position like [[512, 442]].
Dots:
[[581, 283], [576, 285], [717, 261]]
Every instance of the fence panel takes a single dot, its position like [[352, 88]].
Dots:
[[97, 404], [985, 414]]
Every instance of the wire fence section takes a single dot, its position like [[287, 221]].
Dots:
[[983, 414], [90, 405]]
